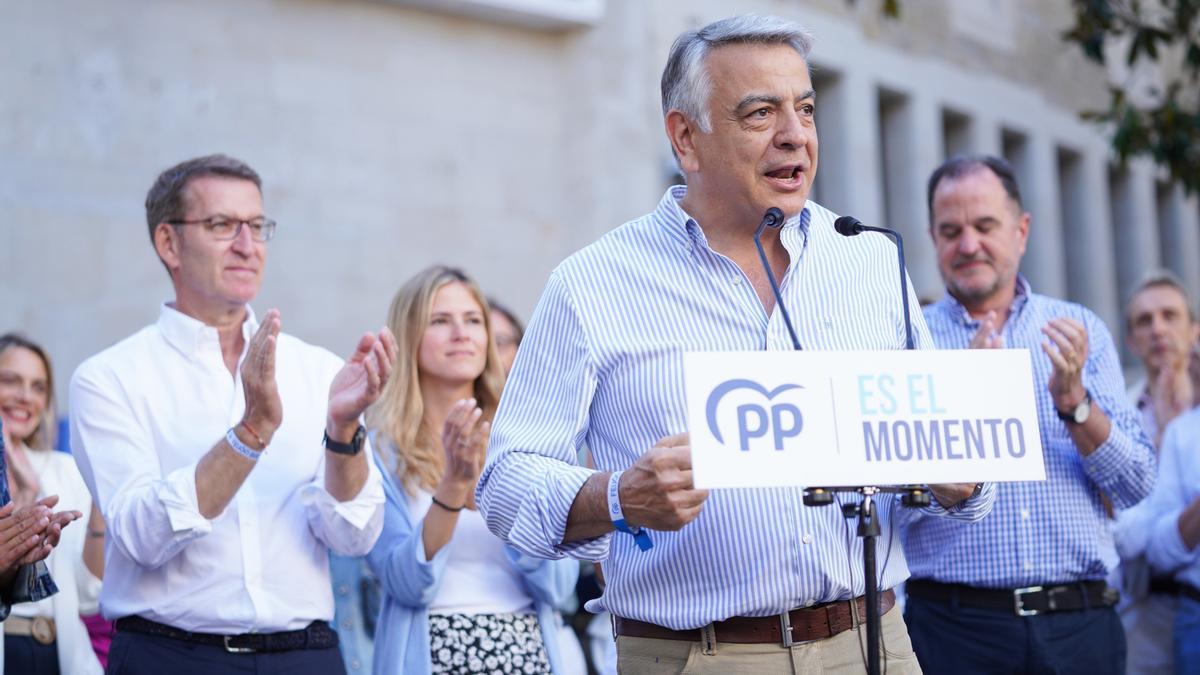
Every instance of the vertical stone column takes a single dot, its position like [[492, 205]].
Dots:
[[1182, 236], [1089, 248], [913, 135], [848, 170], [1135, 226], [1038, 176]]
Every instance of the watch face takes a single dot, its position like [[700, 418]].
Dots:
[[1083, 410]]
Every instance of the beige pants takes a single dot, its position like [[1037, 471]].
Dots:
[[842, 653]]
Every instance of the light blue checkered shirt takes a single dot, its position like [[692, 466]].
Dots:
[[1054, 531], [601, 364]]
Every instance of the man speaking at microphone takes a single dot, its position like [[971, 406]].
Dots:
[[706, 580]]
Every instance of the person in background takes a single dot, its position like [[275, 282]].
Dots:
[[1162, 331], [1024, 590], [507, 331], [46, 637], [455, 598], [227, 456]]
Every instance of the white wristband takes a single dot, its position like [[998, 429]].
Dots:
[[240, 447]]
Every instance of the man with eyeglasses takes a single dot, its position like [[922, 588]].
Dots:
[[200, 438]]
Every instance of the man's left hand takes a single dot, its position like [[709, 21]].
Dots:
[[1069, 355], [360, 382]]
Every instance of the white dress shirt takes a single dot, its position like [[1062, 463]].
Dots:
[[143, 413]]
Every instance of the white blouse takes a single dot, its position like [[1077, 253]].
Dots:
[[478, 579]]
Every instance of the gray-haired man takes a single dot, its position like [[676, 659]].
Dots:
[[735, 580], [1162, 331]]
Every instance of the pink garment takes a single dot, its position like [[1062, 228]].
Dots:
[[101, 632]]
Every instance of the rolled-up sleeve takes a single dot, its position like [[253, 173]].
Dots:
[[351, 527], [532, 477], [150, 517], [1175, 491], [1123, 467]]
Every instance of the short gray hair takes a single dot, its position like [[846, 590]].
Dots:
[[1159, 278], [686, 84]]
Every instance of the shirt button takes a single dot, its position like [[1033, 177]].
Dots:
[[1027, 565], [806, 539], [809, 603], [343, 590], [737, 281], [1025, 514], [355, 665]]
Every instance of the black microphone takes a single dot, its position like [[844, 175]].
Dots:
[[774, 218], [848, 226]]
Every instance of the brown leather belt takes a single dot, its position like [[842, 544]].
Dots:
[[809, 623], [40, 628]]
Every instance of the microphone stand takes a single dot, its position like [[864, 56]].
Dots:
[[911, 496]]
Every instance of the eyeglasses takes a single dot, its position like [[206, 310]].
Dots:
[[225, 229]]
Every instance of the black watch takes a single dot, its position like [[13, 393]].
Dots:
[[1080, 413], [354, 447]]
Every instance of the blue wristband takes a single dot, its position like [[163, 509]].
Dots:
[[240, 447], [618, 516]]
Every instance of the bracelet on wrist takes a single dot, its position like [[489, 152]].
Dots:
[[257, 439], [239, 447], [617, 516], [96, 533], [447, 507]]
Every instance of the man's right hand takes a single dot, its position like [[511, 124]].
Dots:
[[264, 410], [988, 336], [657, 491]]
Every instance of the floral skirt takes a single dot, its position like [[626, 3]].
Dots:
[[487, 643]]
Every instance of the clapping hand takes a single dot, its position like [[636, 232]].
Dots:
[[1068, 355], [264, 410], [360, 382], [464, 440], [29, 533]]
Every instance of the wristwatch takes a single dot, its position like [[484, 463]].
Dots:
[[354, 447], [1080, 413]]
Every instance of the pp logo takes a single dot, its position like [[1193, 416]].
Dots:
[[782, 420]]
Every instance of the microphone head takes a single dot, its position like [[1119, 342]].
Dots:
[[773, 217], [848, 226]]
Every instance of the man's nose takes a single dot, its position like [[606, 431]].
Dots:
[[243, 241], [793, 131]]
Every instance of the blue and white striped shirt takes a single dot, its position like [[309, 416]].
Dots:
[[601, 364], [1053, 531]]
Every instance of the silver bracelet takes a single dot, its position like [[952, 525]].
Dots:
[[241, 448]]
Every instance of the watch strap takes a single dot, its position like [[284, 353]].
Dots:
[[354, 447]]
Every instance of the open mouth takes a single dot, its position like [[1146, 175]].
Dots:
[[16, 414], [791, 175]]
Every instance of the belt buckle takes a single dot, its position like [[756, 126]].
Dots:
[[1019, 604], [785, 627], [41, 629], [236, 650]]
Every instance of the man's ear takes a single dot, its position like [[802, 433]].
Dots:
[[167, 244], [682, 133]]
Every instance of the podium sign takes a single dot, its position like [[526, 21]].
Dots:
[[771, 419]]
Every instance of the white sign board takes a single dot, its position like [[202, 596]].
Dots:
[[770, 419]]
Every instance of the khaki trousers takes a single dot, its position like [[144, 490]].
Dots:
[[842, 653]]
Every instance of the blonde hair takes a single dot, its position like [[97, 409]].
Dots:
[[45, 435], [399, 414]]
